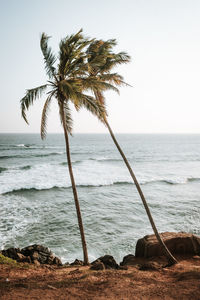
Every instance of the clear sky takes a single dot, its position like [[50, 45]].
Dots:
[[162, 37]]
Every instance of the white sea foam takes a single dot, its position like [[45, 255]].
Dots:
[[86, 172]]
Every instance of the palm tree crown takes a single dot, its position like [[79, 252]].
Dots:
[[101, 60], [66, 83]]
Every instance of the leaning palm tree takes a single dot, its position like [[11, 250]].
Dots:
[[101, 61], [66, 83]]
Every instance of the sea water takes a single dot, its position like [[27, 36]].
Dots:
[[36, 200]]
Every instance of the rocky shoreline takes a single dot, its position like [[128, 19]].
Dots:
[[138, 276], [180, 243]]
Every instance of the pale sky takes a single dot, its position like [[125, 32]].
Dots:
[[162, 37]]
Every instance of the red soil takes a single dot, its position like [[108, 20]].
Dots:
[[181, 281]]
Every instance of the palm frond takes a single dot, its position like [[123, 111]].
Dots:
[[49, 57], [114, 60], [45, 115], [99, 97], [109, 44], [71, 55], [76, 66], [69, 89], [121, 57], [92, 105], [100, 53], [100, 47], [68, 118], [29, 98], [113, 78], [94, 82], [65, 113]]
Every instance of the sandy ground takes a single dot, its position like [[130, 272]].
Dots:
[[181, 281]]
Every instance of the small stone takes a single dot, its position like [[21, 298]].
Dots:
[[35, 255], [28, 259], [20, 257], [57, 261], [108, 261], [77, 262], [36, 262], [128, 260], [50, 260]]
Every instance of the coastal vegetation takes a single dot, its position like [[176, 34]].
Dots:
[[84, 66], [66, 83], [7, 260], [101, 61]]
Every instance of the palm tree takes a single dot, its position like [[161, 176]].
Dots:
[[67, 83], [101, 60]]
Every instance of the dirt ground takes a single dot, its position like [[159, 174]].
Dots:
[[181, 281]]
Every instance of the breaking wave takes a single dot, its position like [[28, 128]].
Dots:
[[96, 184], [32, 155]]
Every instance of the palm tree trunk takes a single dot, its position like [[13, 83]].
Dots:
[[170, 257], [78, 211]]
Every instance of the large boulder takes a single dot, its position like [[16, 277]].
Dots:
[[177, 243]]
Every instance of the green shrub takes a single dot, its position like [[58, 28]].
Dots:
[[7, 260]]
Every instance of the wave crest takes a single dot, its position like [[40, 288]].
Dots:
[[31, 155], [82, 181], [98, 184]]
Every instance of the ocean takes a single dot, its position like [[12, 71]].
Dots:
[[36, 201]]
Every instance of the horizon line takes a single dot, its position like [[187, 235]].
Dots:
[[103, 133]]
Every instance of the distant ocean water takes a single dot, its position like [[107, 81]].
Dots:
[[37, 203]]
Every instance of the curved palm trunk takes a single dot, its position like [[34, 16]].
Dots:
[[78, 211], [166, 251]]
